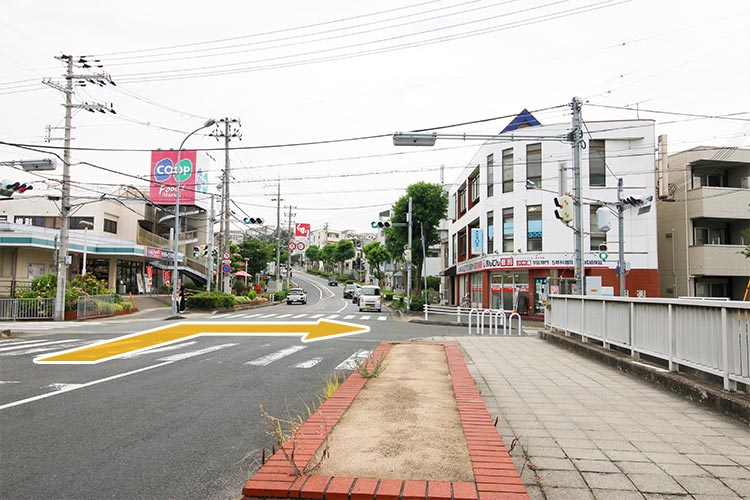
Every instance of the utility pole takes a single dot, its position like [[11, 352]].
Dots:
[[231, 129], [289, 253], [408, 263], [210, 255], [576, 140], [621, 236], [278, 234], [71, 79]]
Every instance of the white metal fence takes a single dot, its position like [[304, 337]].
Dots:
[[710, 336], [96, 306], [480, 321], [36, 308]]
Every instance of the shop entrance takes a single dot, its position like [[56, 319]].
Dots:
[[509, 291]]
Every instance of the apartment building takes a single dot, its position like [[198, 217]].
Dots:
[[505, 243], [703, 223]]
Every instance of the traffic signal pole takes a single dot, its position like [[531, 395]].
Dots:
[[576, 139], [621, 236]]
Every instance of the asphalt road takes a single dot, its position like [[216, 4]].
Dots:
[[180, 421]]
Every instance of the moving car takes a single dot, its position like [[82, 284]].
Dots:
[[333, 281], [296, 295], [349, 289], [369, 299]]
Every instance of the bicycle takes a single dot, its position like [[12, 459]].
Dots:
[[465, 301]]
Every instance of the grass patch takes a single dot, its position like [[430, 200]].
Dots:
[[368, 369]]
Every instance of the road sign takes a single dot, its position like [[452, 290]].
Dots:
[[226, 268], [292, 246], [226, 256], [302, 230], [301, 246], [112, 349]]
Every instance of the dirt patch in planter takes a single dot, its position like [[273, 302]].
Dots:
[[404, 424]]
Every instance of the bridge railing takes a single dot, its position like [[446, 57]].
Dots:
[[709, 336]]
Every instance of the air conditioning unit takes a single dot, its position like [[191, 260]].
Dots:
[[745, 182]]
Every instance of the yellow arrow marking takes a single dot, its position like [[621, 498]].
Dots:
[[141, 341]]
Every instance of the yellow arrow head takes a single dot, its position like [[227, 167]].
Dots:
[[328, 328]]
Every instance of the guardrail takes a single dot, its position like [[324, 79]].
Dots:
[[36, 308], [709, 336], [95, 306], [496, 318]]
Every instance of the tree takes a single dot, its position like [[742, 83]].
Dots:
[[377, 255], [429, 207], [259, 254], [313, 254], [344, 251], [328, 255]]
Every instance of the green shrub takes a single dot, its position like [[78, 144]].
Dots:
[[213, 300], [417, 303], [252, 295], [279, 296]]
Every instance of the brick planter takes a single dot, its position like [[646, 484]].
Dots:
[[495, 477]]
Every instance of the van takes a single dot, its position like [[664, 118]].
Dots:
[[369, 298]]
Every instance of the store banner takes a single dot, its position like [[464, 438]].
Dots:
[[476, 241], [166, 173]]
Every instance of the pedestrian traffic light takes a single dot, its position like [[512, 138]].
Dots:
[[381, 224], [253, 220], [603, 251], [564, 210], [205, 250], [8, 188], [196, 251]]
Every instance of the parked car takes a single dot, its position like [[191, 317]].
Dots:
[[296, 295], [349, 289], [333, 281], [369, 299]]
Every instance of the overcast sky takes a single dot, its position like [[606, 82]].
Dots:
[[300, 71]]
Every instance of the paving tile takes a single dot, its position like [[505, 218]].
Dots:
[[542, 463], [584, 454], [739, 486], [656, 483], [627, 456], [731, 472], [600, 494], [595, 466], [704, 459], [668, 458], [543, 451], [603, 480], [639, 468], [684, 470], [568, 494], [704, 486], [560, 479]]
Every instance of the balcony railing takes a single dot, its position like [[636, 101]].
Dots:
[[718, 260], [718, 203]]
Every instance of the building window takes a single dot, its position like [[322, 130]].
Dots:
[[534, 163], [455, 249], [597, 165], [462, 245], [710, 236], [474, 187], [38, 221], [110, 226], [597, 237], [534, 228], [490, 232], [508, 230], [462, 201], [508, 170], [490, 175], [75, 223]]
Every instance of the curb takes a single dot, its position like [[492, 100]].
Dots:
[[495, 476], [731, 404]]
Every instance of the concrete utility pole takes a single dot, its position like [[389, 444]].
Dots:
[[71, 79], [210, 255], [231, 129], [576, 140], [278, 234], [289, 253], [408, 261], [621, 236]]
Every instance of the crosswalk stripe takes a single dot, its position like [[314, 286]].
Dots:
[[267, 316], [284, 316], [299, 316], [221, 315], [275, 356], [364, 317], [382, 318], [348, 316], [43, 348], [315, 316], [38, 344], [235, 316], [171, 347], [191, 354], [252, 315], [332, 316], [309, 363], [352, 362]]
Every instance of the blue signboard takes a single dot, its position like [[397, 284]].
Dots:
[[476, 241]]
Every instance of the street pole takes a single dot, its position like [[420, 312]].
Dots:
[[178, 173], [289, 253], [424, 261], [85, 225], [246, 261], [225, 230], [577, 138], [278, 234], [621, 236], [408, 264], [210, 266], [62, 255]]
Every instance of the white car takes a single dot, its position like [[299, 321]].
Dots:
[[369, 298], [296, 295]]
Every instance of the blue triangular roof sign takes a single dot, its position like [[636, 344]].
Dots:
[[524, 119]]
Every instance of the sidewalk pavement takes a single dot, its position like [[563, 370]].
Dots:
[[583, 430]]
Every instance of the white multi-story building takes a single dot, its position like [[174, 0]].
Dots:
[[507, 191]]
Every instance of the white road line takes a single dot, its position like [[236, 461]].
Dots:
[[235, 316], [353, 361], [275, 356], [284, 316], [39, 344], [221, 315], [316, 316], [268, 316], [171, 347], [309, 363], [332, 316], [299, 316], [81, 386], [382, 318], [191, 354], [348, 316], [364, 317], [252, 315], [19, 342]]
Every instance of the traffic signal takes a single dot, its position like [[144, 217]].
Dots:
[[196, 251], [205, 250], [382, 224], [8, 188], [638, 200], [564, 210], [253, 220], [603, 251]]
